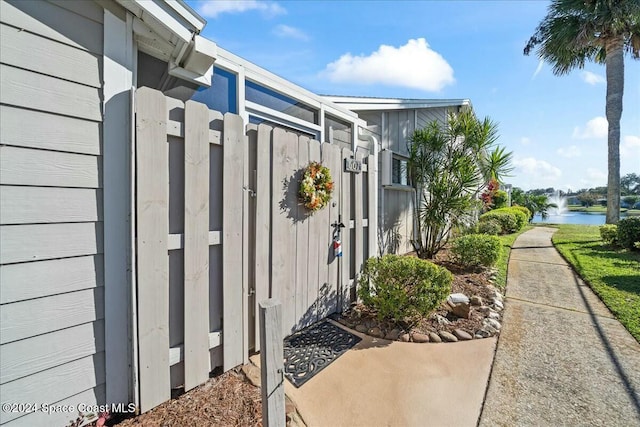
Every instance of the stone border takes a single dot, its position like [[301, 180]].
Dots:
[[459, 305]]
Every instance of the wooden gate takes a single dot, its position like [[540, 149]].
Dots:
[[219, 228]]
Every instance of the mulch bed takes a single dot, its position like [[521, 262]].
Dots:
[[225, 400]]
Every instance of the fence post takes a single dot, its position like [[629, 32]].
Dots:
[[272, 364]]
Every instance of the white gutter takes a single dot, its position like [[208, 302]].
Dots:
[[190, 55]]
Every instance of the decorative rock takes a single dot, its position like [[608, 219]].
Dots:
[[494, 315], [361, 328], [497, 295], [483, 333], [433, 337], [369, 323], [393, 334], [493, 323], [498, 304], [376, 332], [476, 300], [441, 320], [462, 335], [418, 337], [405, 337], [458, 298], [460, 309], [446, 336], [484, 310], [252, 372]]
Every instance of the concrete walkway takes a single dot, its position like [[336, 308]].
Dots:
[[384, 383], [562, 359]]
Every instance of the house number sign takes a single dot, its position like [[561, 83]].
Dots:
[[353, 166]]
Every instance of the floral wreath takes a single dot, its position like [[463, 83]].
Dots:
[[316, 186]]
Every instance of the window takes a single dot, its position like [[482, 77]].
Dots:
[[399, 171], [337, 131], [256, 120], [222, 95], [280, 103]]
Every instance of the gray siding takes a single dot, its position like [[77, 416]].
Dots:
[[51, 231], [393, 128]]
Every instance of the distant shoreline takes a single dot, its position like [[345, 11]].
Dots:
[[602, 210]]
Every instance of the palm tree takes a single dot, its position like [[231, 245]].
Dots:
[[575, 31]]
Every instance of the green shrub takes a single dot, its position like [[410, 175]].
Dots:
[[609, 234], [628, 232], [490, 226], [475, 250], [524, 210], [507, 220], [500, 199], [402, 288]]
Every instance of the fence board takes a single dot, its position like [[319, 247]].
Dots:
[[284, 164], [345, 291], [333, 159], [153, 262], [313, 273], [303, 311], [263, 220], [372, 220], [358, 217], [324, 246], [196, 245], [232, 202]]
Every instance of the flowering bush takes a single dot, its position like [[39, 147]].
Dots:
[[316, 186]]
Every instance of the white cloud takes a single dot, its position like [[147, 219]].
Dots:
[[413, 65], [525, 141], [595, 128], [213, 8], [290, 32], [630, 154], [538, 172], [569, 152], [538, 69], [593, 178], [592, 78]]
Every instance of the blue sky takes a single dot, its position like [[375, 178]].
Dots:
[[555, 126]]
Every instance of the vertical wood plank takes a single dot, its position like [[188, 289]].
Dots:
[[372, 183], [244, 194], [232, 240], [315, 257], [263, 220], [302, 242], [324, 247], [153, 262], [271, 363], [358, 216], [345, 206], [333, 160], [283, 265], [196, 245]]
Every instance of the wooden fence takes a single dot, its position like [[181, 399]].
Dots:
[[220, 228]]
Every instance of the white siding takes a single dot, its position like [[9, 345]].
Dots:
[[51, 232]]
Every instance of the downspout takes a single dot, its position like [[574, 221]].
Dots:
[[373, 141]]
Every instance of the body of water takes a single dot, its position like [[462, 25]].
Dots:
[[573, 218]]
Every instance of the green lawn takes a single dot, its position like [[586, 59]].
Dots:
[[507, 241], [612, 273], [601, 209]]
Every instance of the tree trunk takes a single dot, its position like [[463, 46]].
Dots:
[[615, 88]]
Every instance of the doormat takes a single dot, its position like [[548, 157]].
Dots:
[[311, 350]]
